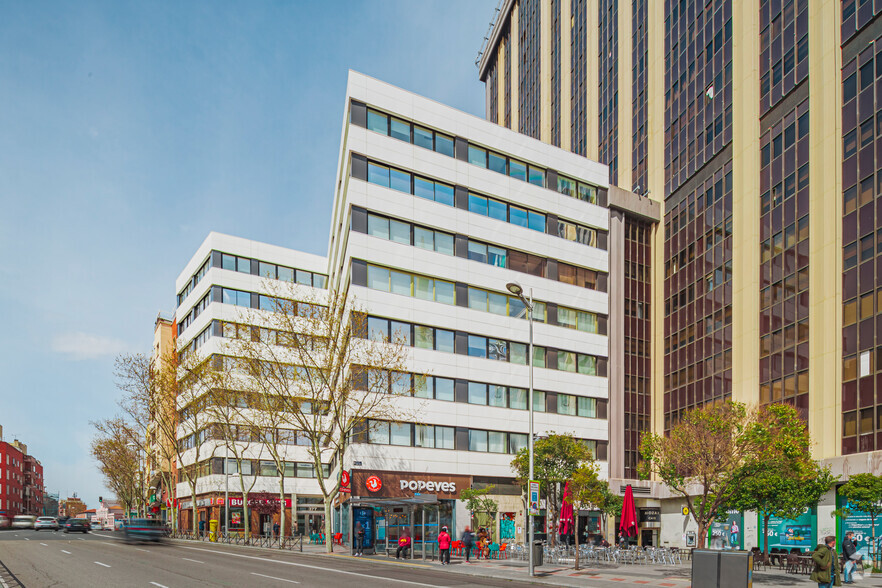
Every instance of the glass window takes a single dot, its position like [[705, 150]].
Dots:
[[516, 308], [378, 174], [378, 122], [517, 170], [444, 292], [400, 130], [498, 303], [477, 440], [228, 262], [497, 396], [401, 332], [423, 287], [477, 156], [538, 401], [378, 329], [266, 270], [587, 365], [286, 274], [566, 186], [477, 299], [378, 432], [498, 349], [536, 221], [497, 209], [401, 283], [399, 180], [444, 144], [566, 404], [496, 162], [268, 468], [587, 193], [518, 353], [539, 311], [424, 238], [423, 436], [423, 387], [566, 361], [424, 337], [477, 204], [477, 393], [587, 407], [423, 188], [444, 437], [516, 442], [477, 252], [444, 389], [517, 398], [496, 442], [517, 216], [537, 176], [305, 470], [444, 243], [378, 278], [477, 346], [444, 194], [587, 321], [378, 226], [399, 232], [444, 340], [566, 317], [496, 256], [304, 278], [400, 383], [538, 356], [422, 137], [399, 434]]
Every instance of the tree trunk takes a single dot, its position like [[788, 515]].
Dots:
[[766, 517], [873, 553], [702, 535], [194, 526], [329, 536], [281, 509]]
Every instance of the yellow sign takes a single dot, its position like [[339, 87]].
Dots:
[[685, 511]]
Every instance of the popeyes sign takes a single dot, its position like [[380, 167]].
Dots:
[[407, 484]]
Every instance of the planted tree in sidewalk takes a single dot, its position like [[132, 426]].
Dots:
[[782, 479], [328, 378], [864, 493], [555, 459], [586, 489], [118, 460], [479, 503]]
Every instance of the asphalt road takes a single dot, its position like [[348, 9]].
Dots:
[[46, 558]]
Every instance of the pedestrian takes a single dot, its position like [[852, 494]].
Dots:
[[826, 572], [468, 541], [403, 545], [444, 546], [359, 540], [201, 526], [851, 556]]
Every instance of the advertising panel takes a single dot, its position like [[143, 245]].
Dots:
[[787, 534], [859, 523], [726, 532], [365, 516]]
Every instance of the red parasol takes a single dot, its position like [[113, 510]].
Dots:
[[566, 513], [628, 526]]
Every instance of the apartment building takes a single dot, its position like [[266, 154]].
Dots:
[[160, 453], [21, 481], [753, 124]]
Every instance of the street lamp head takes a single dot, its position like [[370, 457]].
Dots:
[[515, 288]]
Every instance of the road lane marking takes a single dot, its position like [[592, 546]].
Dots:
[[139, 549], [300, 565], [100, 535], [27, 538], [160, 585], [193, 560], [44, 545], [102, 564], [274, 578], [67, 552]]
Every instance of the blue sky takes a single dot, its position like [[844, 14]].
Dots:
[[129, 130]]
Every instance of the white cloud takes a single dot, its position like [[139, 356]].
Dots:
[[80, 346]]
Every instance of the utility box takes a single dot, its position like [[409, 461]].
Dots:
[[538, 553], [722, 569], [212, 530]]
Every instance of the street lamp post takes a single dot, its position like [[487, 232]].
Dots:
[[518, 290]]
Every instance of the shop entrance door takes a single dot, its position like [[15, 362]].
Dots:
[[648, 537]]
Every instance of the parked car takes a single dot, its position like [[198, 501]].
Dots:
[[96, 526], [46, 523], [61, 521], [5, 523], [23, 521], [145, 530], [81, 525]]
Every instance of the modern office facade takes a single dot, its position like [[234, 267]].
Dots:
[[754, 124]]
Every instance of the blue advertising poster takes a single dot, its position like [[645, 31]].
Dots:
[[365, 516], [858, 522], [726, 532], [787, 533]]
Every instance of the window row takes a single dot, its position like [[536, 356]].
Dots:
[[789, 237], [195, 279], [863, 250], [258, 467], [785, 139], [861, 308], [785, 338], [784, 289], [198, 308]]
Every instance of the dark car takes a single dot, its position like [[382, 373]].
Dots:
[[145, 530], [82, 525]]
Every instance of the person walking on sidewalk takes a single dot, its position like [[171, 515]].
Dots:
[[444, 546], [403, 545], [359, 540], [851, 555], [826, 572], [468, 542]]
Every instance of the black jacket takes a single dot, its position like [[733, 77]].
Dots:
[[848, 548], [468, 538]]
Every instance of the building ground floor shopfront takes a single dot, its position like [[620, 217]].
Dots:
[[307, 517]]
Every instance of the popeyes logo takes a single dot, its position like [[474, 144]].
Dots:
[[373, 484], [420, 485]]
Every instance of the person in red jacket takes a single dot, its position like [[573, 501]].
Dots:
[[403, 545], [444, 546]]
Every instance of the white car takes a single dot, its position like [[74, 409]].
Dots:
[[46, 523], [97, 526], [23, 521]]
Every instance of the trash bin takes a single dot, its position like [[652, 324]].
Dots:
[[538, 553], [722, 569], [212, 530]]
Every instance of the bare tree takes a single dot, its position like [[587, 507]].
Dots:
[[312, 363], [118, 458]]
